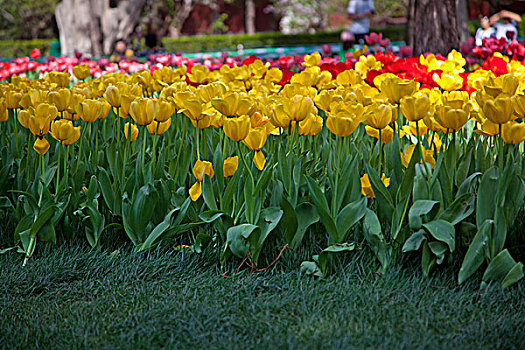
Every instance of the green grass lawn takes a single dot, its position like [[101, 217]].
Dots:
[[70, 297]]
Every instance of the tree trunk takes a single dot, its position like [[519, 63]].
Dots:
[[432, 26], [250, 16], [462, 20], [91, 26]]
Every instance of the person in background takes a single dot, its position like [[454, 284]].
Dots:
[[360, 12], [506, 29], [485, 32]]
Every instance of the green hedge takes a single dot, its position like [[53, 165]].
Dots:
[[231, 41], [14, 48]]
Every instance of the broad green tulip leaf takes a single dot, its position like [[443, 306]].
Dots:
[[427, 260], [499, 267], [443, 231], [414, 242], [108, 191], [466, 186], [384, 198], [208, 195], [5, 202], [322, 208], [41, 219], [310, 268], [334, 248], [515, 274], [459, 210], [306, 216], [374, 237], [47, 233], [241, 239], [438, 249], [289, 221], [419, 209], [487, 194], [269, 220], [230, 191], [476, 252], [211, 215], [349, 216]]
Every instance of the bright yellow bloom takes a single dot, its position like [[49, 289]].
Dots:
[[237, 128], [134, 131], [81, 71], [407, 156], [448, 81], [259, 160], [379, 116], [349, 77], [228, 104], [64, 132], [4, 115], [366, 187], [298, 107], [415, 108], [60, 98], [395, 88], [387, 134], [312, 60], [487, 128], [158, 127], [341, 124], [311, 126], [518, 102], [255, 139], [200, 169], [499, 110], [12, 99], [143, 110], [199, 74], [513, 133], [90, 110], [112, 95], [231, 164], [41, 146], [61, 79], [40, 119]]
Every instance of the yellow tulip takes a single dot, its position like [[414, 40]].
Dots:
[[90, 110], [298, 107], [411, 128], [387, 134], [255, 139], [341, 124], [60, 98], [12, 99], [273, 75], [237, 128], [112, 95], [499, 110], [279, 118], [259, 160], [228, 104], [452, 119], [518, 102], [158, 128], [407, 156], [166, 110], [23, 117], [395, 88], [64, 132], [349, 77], [487, 128], [504, 84], [231, 164], [4, 115], [366, 187], [448, 81], [513, 133], [81, 71], [143, 110], [40, 119], [312, 60], [379, 116], [134, 131], [415, 108], [41, 146], [61, 79], [311, 126], [199, 74], [75, 100]]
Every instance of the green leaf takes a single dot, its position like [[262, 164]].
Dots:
[[515, 274], [421, 208], [201, 241], [158, 231], [322, 209], [41, 219], [310, 268], [374, 237], [476, 251], [487, 193], [439, 249], [208, 195], [443, 231], [241, 238], [335, 248], [289, 221], [211, 215], [269, 220], [499, 267], [383, 197], [349, 216], [306, 216], [459, 210], [414, 242]]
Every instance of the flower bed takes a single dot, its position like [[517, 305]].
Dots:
[[418, 156]]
